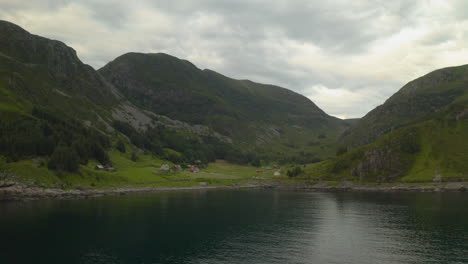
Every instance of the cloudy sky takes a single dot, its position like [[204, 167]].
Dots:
[[346, 56]]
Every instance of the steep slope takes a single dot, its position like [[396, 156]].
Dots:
[[434, 150], [419, 100], [250, 113], [47, 73], [52, 102], [421, 132]]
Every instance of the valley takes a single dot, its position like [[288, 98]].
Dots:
[[60, 118]]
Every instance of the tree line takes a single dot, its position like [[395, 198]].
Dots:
[[67, 142], [185, 147]]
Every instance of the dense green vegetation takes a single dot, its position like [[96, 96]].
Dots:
[[59, 118], [269, 120], [141, 173], [164, 83], [267, 123], [419, 134], [67, 142], [294, 172], [432, 150], [422, 99]]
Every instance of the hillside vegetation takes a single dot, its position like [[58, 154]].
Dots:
[[419, 100], [264, 119], [419, 134], [62, 115], [59, 118]]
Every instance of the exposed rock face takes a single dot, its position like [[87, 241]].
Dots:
[[239, 109], [141, 120], [266, 134], [384, 163], [4, 184], [135, 117]]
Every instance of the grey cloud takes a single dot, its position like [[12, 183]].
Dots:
[[113, 15], [362, 49], [339, 25]]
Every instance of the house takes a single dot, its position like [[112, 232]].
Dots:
[[164, 167], [277, 173], [194, 169], [104, 168], [177, 168]]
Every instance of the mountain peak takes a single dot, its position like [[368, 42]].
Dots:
[[6, 27], [25, 47], [240, 109]]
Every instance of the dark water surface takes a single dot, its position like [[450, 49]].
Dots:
[[242, 226]]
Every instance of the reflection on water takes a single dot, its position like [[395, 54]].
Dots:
[[247, 226]]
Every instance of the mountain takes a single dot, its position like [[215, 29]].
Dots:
[[63, 113], [419, 100], [251, 114], [38, 71], [419, 134], [51, 104]]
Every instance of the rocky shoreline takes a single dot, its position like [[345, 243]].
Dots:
[[352, 187], [14, 191]]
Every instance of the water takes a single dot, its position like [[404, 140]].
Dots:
[[243, 226]]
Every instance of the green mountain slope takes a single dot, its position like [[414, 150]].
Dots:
[[55, 63], [421, 131], [51, 104], [267, 117], [54, 107], [430, 151], [36, 71], [50, 101], [417, 101]]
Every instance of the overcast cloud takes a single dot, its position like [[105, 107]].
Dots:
[[346, 56]]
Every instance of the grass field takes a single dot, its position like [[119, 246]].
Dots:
[[442, 151], [144, 172]]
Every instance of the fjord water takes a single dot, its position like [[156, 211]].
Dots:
[[240, 226]]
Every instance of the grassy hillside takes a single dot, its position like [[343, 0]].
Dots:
[[181, 91], [258, 117], [56, 109], [432, 150], [44, 64], [59, 118], [419, 100], [144, 172]]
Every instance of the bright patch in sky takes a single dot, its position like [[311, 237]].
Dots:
[[346, 56]]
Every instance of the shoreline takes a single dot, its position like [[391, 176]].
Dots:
[[22, 193], [397, 187], [18, 192]]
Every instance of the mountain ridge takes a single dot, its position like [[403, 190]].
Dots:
[[246, 111], [43, 81], [418, 100], [420, 134], [53, 105]]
